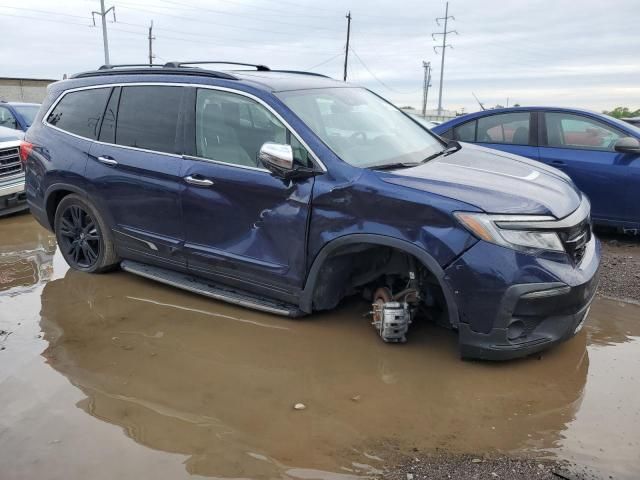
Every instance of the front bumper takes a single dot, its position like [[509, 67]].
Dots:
[[12, 197], [512, 304]]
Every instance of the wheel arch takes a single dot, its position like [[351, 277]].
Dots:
[[428, 261], [54, 195]]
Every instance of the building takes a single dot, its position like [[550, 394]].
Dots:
[[32, 90]]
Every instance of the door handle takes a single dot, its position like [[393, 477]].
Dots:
[[199, 182], [559, 163], [108, 161]]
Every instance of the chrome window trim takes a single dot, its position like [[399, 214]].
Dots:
[[179, 84], [220, 162]]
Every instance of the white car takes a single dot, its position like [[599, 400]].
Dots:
[[12, 195]]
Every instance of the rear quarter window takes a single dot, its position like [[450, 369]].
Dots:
[[79, 112]]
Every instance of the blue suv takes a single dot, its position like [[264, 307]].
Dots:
[[289, 192]]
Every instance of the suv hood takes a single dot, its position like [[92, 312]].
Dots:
[[496, 182]]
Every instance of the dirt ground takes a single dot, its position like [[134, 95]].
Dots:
[[114, 376], [620, 267]]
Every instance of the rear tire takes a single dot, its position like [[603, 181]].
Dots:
[[84, 239]]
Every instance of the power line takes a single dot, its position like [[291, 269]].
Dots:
[[325, 61], [244, 15], [209, 22], [444, 47], [375, 77]]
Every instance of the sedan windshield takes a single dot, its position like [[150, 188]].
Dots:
[[361, 128]]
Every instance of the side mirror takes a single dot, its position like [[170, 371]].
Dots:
[[278, 159], [627, 145]]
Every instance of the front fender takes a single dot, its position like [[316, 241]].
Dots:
[[424, 257]]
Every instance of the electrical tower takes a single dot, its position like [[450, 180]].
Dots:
[[425, 86], [346, 49], [151, 39], [444, 47], [103, 13]]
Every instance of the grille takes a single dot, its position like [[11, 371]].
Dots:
[[10, 162], [575, 239]]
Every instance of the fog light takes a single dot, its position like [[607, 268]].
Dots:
[[515, 330]]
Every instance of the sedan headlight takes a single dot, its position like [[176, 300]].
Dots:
[[497, 229]]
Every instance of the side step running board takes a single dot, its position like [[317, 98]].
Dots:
[[210, 289]]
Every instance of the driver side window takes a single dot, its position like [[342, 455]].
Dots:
[[575, 131], [231, 128]]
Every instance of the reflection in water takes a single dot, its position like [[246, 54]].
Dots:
[[25, 259], [183, 374], [190, 378]]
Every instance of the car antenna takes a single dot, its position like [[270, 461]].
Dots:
[[479, 102]]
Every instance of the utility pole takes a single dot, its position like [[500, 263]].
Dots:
[[103, 13], [425, 86], [346, 49], [151, 39], [444, 46]]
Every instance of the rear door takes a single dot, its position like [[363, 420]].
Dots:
[[583, 147], [134, 171], [242, 224]]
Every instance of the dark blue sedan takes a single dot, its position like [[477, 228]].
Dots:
[[600, 153]]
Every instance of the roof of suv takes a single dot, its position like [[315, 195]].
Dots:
[[280, 80], [262, 77]]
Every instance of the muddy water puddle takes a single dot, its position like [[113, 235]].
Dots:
[[113, 376]]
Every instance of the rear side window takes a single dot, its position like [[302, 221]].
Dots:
[[575, 131], [148, 117], [465, 132], [80, 112], [509, 128]]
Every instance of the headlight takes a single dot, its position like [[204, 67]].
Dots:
[[496, 229]]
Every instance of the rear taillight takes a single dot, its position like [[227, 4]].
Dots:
[[25, 150]]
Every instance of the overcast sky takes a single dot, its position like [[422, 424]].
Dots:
[[582, 53]]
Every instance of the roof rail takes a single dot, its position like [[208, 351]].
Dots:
[[156, 71], [302, 72], [128, 65], [260, 68]]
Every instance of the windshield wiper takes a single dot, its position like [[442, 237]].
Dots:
[[452, 147], [394, 166]]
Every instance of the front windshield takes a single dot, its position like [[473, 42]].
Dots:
[[360, 127], [28, 112]]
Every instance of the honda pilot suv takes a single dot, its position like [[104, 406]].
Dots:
[[288, 192]]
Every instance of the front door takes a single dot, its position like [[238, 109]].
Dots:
[[583, 148], [242, 225], [134, 172]]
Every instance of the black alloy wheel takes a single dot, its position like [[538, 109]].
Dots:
[[79, 237]]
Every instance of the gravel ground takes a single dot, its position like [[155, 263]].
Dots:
[[620, 267], [468, 467]]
